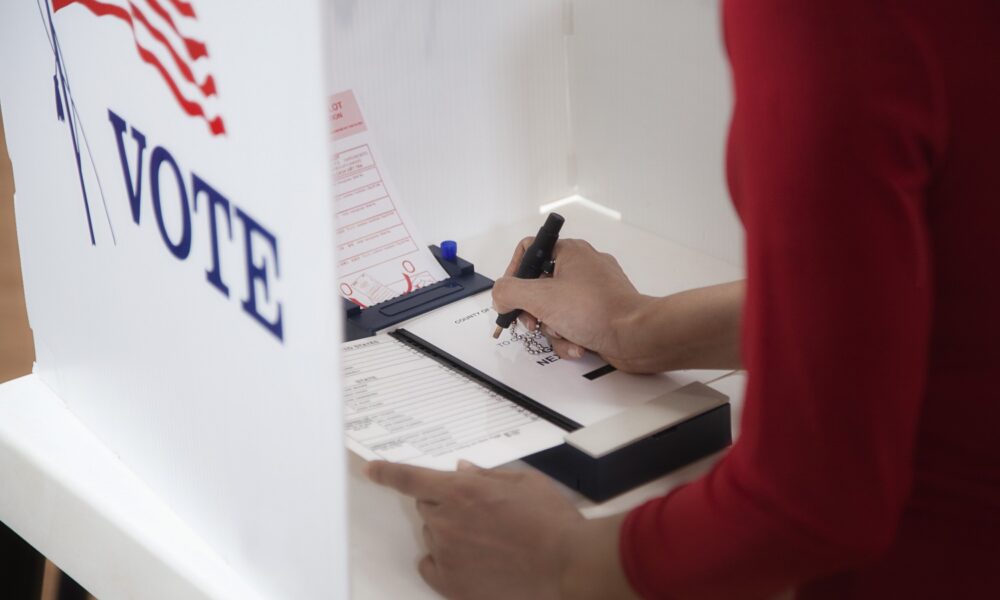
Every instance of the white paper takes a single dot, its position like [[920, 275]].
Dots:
[[463, 330], [380, 255], [403, 406]]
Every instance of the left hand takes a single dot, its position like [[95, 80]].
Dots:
[[489, 534]]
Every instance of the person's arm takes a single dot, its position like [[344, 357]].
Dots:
[[694, 329], [836, 135], [833, 145], [590, 304]]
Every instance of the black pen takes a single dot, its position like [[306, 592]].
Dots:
[[537, 258]]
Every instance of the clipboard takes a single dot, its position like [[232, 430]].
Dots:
[[600, 460]]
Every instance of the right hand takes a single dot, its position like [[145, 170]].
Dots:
[[584, 305]]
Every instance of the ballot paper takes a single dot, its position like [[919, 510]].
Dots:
[[585, 390], [380, 254], [403, 406]]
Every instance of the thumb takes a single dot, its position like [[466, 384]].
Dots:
[[503, 474], [531, 295]]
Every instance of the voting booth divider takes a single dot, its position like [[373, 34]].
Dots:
[[175, 215], [481, 112], [175, 226]]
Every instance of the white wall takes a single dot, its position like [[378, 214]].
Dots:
[[485, 109], [650, 109], [467, 101]]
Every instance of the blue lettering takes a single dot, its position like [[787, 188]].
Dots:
[[215, 200], [182, 248], [260, 245], [258, 272], [134, 191]]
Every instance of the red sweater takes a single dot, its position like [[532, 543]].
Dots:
[[864, 160]]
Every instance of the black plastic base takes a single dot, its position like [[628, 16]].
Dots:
[[463, 281], [602, 478]]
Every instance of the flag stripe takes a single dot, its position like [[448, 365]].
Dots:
[[182, 66], [195, 48], [207, 85], [191, 107], [184, 8]]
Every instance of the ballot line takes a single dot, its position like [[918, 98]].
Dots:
[[426, 402], [419, 381], [431, 415], [375, 440], [421, 401], [480, 413]]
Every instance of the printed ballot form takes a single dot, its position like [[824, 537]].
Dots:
[[405, 406], [402, 405], [585, 390], [379, 252]]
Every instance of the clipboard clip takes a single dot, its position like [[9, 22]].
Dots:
[[463, 281]]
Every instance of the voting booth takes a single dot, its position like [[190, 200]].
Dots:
[[484, 114], [192, 180], [173, 215]]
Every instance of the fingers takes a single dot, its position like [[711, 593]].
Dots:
[[515, 261], [564, 246], [431, 574], [426, 509], [569, 246], [563, 347], [528, 321], [566, 349], [428, 539], [505, 474], [530, 295], [417, 482], [510, 292]]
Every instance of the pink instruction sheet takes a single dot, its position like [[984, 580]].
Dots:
[[380, 254]]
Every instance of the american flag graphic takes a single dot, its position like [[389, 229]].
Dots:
[[161, 31]]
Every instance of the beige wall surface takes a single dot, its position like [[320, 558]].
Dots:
[[16, 348]]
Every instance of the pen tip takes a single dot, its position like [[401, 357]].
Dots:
[[496, 332]]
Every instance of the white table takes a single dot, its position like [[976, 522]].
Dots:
[[70, 497], [386, 541]]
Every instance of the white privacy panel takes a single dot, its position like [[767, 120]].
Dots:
[[467, 100], [173, 206], [650, 103]]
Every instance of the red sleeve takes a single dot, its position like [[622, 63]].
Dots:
[[831, 147]]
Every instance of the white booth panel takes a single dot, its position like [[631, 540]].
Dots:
[[467, 102], [650, 103], [232, 420]]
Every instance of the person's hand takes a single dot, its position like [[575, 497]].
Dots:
[[489, 534], [584, 305]]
